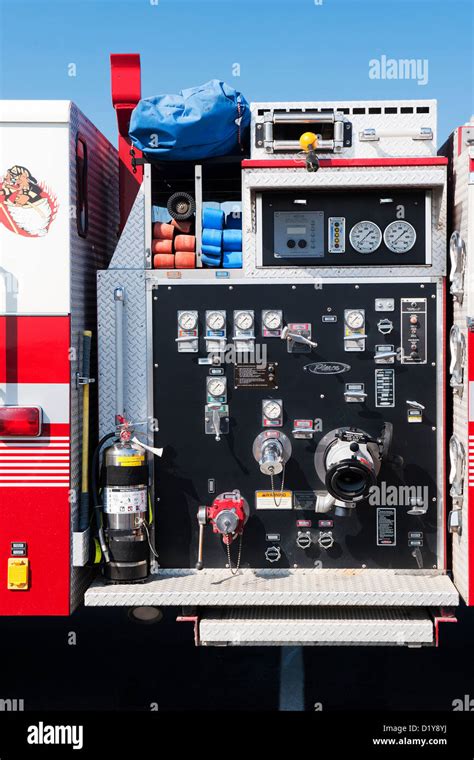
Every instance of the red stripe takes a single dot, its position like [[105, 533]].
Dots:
[[342, 162], [470, 489], [41, 517], [34, 350]]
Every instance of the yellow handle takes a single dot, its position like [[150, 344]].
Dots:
[[308, 141]]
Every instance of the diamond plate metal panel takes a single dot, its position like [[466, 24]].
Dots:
[[135, 348], [463, 222], [87, 255], [255, 180], [316, 626], [398, 122], [386, 588], [130, 250]]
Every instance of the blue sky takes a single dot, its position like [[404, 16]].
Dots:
[[286, 49]]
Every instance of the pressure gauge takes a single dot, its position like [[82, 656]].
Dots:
[[216, 387], [355, 319], [244, 320], [272, 409], [399, 236], [272, 319], [272, 412], [215, 320], [187, 320], [365, 237]]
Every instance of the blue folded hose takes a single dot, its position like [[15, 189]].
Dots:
[[232, 240], [212, 237], [213, 218], [210, 261], [232, 260], [213, 251]]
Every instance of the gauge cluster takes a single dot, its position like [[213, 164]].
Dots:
[[338, 228], [296, 398]]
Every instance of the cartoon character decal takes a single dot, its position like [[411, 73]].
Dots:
[[27, 207]]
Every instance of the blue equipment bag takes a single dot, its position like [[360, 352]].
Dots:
[[201, 122]]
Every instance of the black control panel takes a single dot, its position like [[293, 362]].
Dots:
[[343, 228], [324, 382]]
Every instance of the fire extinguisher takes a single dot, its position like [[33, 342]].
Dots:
[[124, 532], [228, 515]]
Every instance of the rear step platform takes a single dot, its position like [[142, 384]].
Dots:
[[316, 626]]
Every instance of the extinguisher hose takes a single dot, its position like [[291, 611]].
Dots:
[[95, 495]]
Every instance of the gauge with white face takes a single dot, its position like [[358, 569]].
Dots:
[[187, 320], [272, 320], [354, 319], [399, 236], [215, 320], [365, 237], [216, 387], [244, 320], [272, 409]]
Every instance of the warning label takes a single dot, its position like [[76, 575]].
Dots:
[[120, 501], [273, 499], [130, 461], [386, 526], [255, 375]]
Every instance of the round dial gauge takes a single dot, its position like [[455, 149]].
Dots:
[[215, 320], [354, 320], [399, 236], [187, 320], [244, 320], [216, 387], [272, 320], [365, 237], [271, 410]]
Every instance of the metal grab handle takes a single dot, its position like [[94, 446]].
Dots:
[[373, 135], [457, 456], [457, 344], [415, 405]]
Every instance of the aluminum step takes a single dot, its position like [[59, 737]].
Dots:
[[316, 626], [269, 588]]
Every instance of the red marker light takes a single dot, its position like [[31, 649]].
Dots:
[[17, 421]]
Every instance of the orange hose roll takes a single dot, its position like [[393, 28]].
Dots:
[[185, 260], [185, 243], [162, 246], [163, 261], [163, 230]]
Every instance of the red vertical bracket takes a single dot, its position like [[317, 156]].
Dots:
[[194, 619], [126, 92], [444, 616]]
